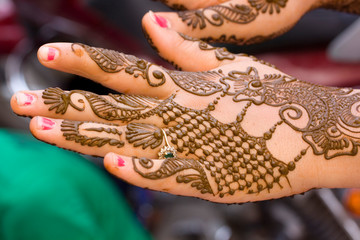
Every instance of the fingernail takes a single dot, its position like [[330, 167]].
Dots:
[[119, 162], [45, 123], [48, 53], [24, 99], [159, 20]]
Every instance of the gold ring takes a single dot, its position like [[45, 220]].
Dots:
[[167, 151]]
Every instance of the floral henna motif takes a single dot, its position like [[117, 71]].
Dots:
[[144, 135], [333, 114], [268, 5]]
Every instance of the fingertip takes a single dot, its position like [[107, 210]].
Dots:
[[169, 43], [116, 164], [165, 20], [48, 53]]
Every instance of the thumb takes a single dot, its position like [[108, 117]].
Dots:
[[184, 52]]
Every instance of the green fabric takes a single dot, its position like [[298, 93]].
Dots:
[[49, 193]]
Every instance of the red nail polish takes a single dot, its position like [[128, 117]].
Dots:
[[45, 123], [120, 162], [24, 99], [159, 20], [51, 54], [29, 99]]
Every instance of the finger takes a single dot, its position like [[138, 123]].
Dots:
[[161, 175], [98, 139], [190, 4], [85, 106], [110, 68], [188, 177], [196, 55], [239, 21]]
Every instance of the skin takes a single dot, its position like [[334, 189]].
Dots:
[[255, 129], [262, 19], [255, 133]]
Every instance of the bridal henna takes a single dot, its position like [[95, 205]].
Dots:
[[215, 157]]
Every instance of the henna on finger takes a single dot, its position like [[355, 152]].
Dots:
[[111, 61], [79, 133], [119, 107], [235, 13], [220, 53]]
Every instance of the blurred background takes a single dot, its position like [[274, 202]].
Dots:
[[322, 48]]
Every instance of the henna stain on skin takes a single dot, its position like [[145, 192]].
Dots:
[[235, 13], [240, 14], [268, 6], [71, 132], [112, 62], [220, 53], [223, 158], [122, 107]]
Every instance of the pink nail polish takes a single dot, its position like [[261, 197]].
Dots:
[[159, 20], [45, 123], [51, 54], [120, 162], [24, 99]]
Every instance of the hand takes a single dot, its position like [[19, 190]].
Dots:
[[241, 131], [243, 21]]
